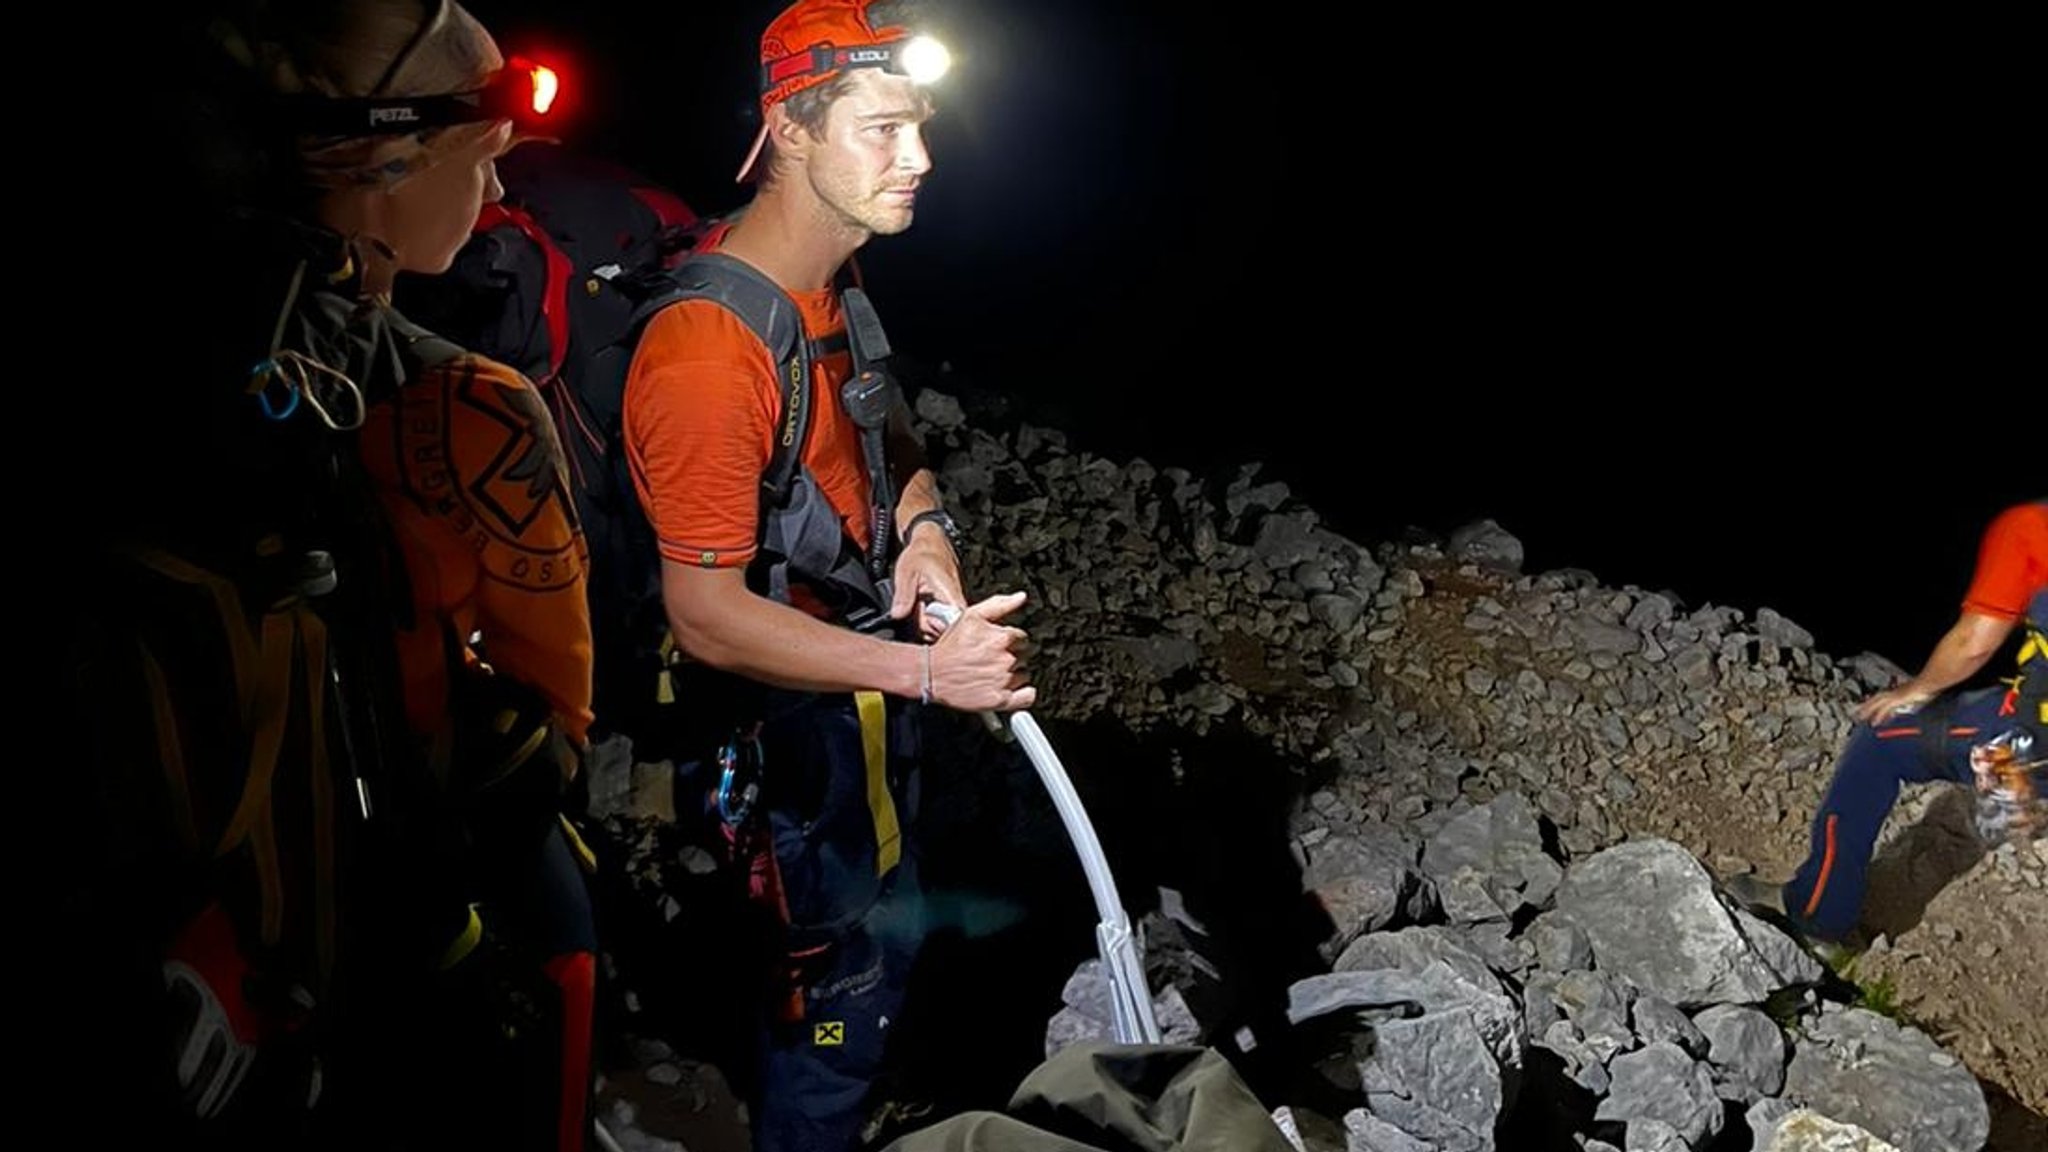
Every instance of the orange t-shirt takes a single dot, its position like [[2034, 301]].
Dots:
[[2012, 563], [700, 413], [469, 469]]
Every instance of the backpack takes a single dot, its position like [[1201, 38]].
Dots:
[[558, 280], [232, 681]]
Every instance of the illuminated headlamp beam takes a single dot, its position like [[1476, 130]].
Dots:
[[923, 59], [546, 86]]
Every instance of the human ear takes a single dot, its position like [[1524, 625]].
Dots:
[[789, 135]]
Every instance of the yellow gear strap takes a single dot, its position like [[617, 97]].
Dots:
[[264, 682], [665, 680], [874, 740], [265, 725], [2035, 648], [465, 941], [585, 858]]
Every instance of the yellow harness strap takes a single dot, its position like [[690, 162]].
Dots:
[[585, 858], [665, 681], [265, 680], [874, 740], [2035, 648]]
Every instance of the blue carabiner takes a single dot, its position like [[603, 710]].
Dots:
[[268, 371], [731, 759]]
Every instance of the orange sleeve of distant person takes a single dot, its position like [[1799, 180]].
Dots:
[[699, 415], [2012, 563], [477, 487]]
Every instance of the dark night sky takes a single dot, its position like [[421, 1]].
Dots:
[[1722, 309]]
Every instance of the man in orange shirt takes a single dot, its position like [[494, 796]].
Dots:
[[1922, 730], [829, 678]]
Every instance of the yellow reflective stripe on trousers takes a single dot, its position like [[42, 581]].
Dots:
[[874, 743]]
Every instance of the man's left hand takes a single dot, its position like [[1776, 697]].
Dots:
[[926, 570]]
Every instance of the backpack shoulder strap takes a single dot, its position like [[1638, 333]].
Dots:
[[772, 316], [556, 271], [424, 349]]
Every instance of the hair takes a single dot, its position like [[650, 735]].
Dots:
[[354, 48], [350, 49]]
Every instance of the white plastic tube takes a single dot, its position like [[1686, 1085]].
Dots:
[[1131, 997]]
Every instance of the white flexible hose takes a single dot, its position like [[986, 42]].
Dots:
[[605, 1140], [1131, 996]]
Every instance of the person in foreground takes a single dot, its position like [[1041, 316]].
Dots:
[[341, 666], [803, 612]]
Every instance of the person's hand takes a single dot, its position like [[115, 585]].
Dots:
[[926, 570], [1907, 697], [976, 663]]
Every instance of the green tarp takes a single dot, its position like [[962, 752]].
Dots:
[[1099, 1097]]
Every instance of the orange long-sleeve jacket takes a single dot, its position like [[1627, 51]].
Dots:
[[476, 485]]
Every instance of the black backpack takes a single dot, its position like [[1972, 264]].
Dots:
[[230, 675], [559, 280]]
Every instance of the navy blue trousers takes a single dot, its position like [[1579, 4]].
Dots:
[[1825, 897], [856, 918]]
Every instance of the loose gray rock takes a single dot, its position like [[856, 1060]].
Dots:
[[1389, 994], [1651, 913], [1502, 843], [1651, 1135], [1365, 1132], [1434, 1078], [1560, 944], [1803, 1130], [1895, 1082], [1657, 1021], [1361, 887], [1414, 949], [1488, 545], [1791, 964], [1660, 1082], [1746, 1049], [1782, 632]]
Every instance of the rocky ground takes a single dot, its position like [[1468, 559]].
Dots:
[[1230, 684], [1956, 928]]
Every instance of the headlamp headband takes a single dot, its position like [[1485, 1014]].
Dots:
[[921, 58], [523, 92]]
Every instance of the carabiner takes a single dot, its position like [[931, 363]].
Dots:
[[739, 779], [263, 376]]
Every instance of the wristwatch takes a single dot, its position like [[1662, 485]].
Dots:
[[934, 516]]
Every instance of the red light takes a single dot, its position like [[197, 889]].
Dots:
[[546, 85]]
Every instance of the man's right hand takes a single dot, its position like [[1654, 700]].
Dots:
[[976, 662], [1906, 698]]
